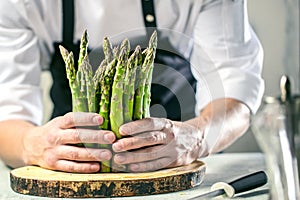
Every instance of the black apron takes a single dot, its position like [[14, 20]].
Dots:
[[173, 99], [60, 92]]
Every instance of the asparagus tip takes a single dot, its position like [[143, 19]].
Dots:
[[153, 40], [63, 50], [125, 45], [85, 33]]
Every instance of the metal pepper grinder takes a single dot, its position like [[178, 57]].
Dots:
[[276, 129]]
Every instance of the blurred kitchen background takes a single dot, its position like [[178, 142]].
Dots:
[[276, 23]]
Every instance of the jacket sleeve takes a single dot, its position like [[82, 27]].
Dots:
[[227, 56], [21, 96]]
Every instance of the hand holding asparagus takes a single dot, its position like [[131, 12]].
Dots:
[[119, 90]]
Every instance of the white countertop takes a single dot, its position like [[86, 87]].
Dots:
[[219, 167]]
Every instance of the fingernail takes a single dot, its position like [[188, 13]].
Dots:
[[120, 159], [125, 130], [117, 147], [105, 155], [97, 119], [94, 167], [134, 167], [109, 138]]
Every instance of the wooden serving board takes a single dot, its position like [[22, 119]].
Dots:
[[32, 180]]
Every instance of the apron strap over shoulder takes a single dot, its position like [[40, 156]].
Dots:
[[149, 13], [60, 92], [173, 84], [68, 21]]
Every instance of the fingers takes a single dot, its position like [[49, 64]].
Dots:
[[75, 119], [77, 135], [152, 131], [74, 167], [149, 159], [66, 152], [153, 158], [143, 140], [151, 165], [75, 159], [150, 153], [144, 125]]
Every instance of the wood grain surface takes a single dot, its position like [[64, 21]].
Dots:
[[36, 181]]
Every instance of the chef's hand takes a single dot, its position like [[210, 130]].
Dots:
[[156, 143], [52, 145]]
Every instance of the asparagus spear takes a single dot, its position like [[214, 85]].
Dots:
[[102, 73], [83, 47], [126, 46], [129, 87], [106, 85], [116, 119], [153, 41], [97, 79], [139, 95], [147, 93], [108, 50], [80, 100], [90, 85], [69, 63], [73, 82], [147, 89], [78, 103], [87, 86], [77, 80], [116, 108]]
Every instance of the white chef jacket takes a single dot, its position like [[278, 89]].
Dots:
[[215, 35]]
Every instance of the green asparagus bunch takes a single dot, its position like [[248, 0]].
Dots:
[[120, 88]]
